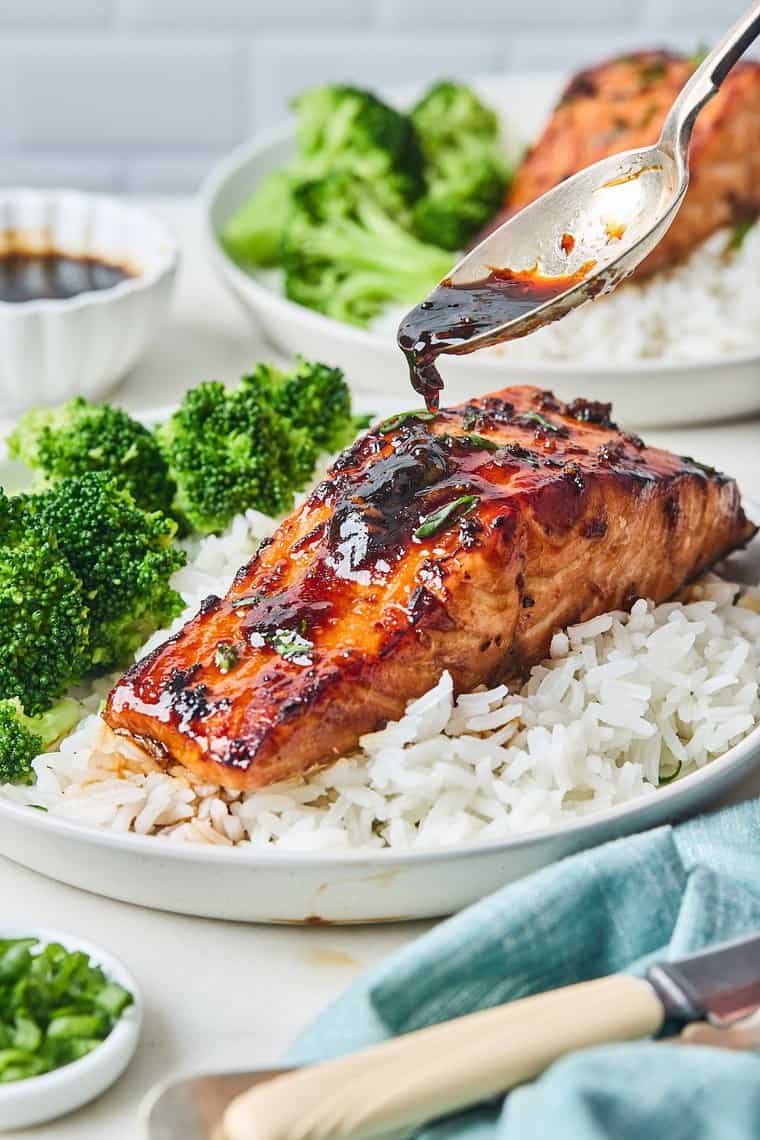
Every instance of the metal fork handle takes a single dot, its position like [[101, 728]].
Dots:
[[705, 82]]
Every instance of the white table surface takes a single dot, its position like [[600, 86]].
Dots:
[[220, 994]]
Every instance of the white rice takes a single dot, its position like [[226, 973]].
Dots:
[[707, 307], [621, 698]]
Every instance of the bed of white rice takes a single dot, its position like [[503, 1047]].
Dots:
[[622, 700], [707, 307]]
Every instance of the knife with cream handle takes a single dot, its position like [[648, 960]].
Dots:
[[407, 1081], [402, 1084]]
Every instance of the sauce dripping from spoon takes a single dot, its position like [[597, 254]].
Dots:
[[456, 312]]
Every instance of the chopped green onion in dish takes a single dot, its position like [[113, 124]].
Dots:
[[55, 1007]]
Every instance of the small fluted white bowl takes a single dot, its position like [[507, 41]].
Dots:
[[51, 350], [37, 1099]]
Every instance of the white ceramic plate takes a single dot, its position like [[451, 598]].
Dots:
[[33, 1101], [276, 886], [646, 394]]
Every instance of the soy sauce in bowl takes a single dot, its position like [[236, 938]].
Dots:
[[52, 276]]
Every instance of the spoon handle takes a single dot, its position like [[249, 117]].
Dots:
[[703, 84]]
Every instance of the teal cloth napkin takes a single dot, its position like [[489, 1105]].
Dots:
[[658, 895]]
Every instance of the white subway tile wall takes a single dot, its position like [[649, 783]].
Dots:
[[143, 95]]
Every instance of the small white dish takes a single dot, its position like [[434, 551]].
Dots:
[[33, 1101], [645, 393], [51, 350]]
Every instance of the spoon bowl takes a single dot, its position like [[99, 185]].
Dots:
[[193, 1107], [594, 228]]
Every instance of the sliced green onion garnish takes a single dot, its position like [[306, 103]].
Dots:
[[226, 656], [442, 518], [246, 601], [289, 644], [668, 772], [526, 418], [400, 418], [478, 442], [738, 235]]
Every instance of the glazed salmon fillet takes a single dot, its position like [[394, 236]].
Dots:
[[459, 540], [622, 104]]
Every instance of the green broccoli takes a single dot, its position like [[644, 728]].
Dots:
[[253, 235], [122, 555], [22, 737], [316, 397], [465, 190], [338, 128], [346, 129], [79, 437], [345, 256], [449, 112], [43, 611], [466, 173], [229, 450]]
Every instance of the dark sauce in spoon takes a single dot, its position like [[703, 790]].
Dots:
[[52, 276], [455, 313]]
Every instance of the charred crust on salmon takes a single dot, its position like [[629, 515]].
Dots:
[[210, 603], [592, 412]]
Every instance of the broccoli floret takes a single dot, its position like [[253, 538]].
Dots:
[[23, 737], [466, 174], [122, 555], [346, 129], [230, 451], [43, 611], [338, 129], [253, 235], [449, 112], [79, 437], [345, 256], [465, 190], [316, 397]]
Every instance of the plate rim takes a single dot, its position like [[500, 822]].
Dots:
[[747, 749]]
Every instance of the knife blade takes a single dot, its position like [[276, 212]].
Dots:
[[720, 985]]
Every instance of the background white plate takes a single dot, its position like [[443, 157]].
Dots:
[[646, 394], [272, 886]]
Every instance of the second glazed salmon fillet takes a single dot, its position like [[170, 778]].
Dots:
[[461, 541], [620, 105]]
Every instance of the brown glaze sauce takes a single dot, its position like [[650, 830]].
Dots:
[[455, 313], [51, 276]]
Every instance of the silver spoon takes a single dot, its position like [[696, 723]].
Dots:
[[192, 1108], [588, 233]]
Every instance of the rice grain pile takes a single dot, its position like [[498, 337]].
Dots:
[[621, 700]]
